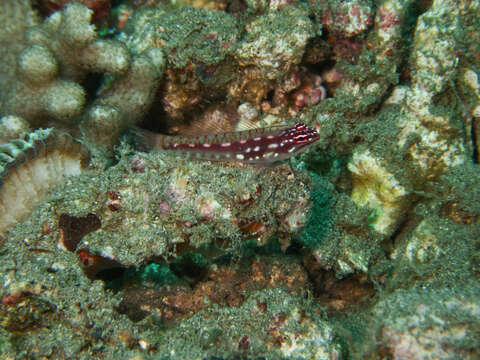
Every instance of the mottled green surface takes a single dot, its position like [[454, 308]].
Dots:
[[387, 197], [189, 35]]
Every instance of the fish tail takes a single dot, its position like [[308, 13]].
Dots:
[[145, 140]]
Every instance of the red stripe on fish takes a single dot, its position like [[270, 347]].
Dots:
[[265, 145]]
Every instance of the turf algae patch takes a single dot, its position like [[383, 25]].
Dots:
[[33, 164], [319, 221]]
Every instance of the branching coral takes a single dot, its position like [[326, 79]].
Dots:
[[58, 55], [124, 103]]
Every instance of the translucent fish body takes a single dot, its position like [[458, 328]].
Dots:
[[257, 146]]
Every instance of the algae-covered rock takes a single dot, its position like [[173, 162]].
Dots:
[[155, 206], [430, 323], [366, 246]]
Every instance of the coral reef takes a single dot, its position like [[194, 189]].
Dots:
[[363, 246], [168, 209]]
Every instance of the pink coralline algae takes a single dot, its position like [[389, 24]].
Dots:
[[310, 93], [299, 89], [387, 18], [349, 18]]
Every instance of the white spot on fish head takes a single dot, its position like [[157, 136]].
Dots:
[[258, 138], [273, 146], [191, 145], [227, 144], [244, 141], [240, 156], [247, 150], [207, 145], [256, 148], [291, 150]]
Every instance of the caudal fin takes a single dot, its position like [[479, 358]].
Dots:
[[144, 140]]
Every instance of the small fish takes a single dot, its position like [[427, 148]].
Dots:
[[257, 146]]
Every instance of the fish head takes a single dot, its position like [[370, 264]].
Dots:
[[299, 136]]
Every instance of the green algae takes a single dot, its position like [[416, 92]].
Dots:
[[188, 35], [320, 220]]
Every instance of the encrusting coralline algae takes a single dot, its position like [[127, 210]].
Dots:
[[363, 246]]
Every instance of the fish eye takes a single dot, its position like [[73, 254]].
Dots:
[[301, 138]]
